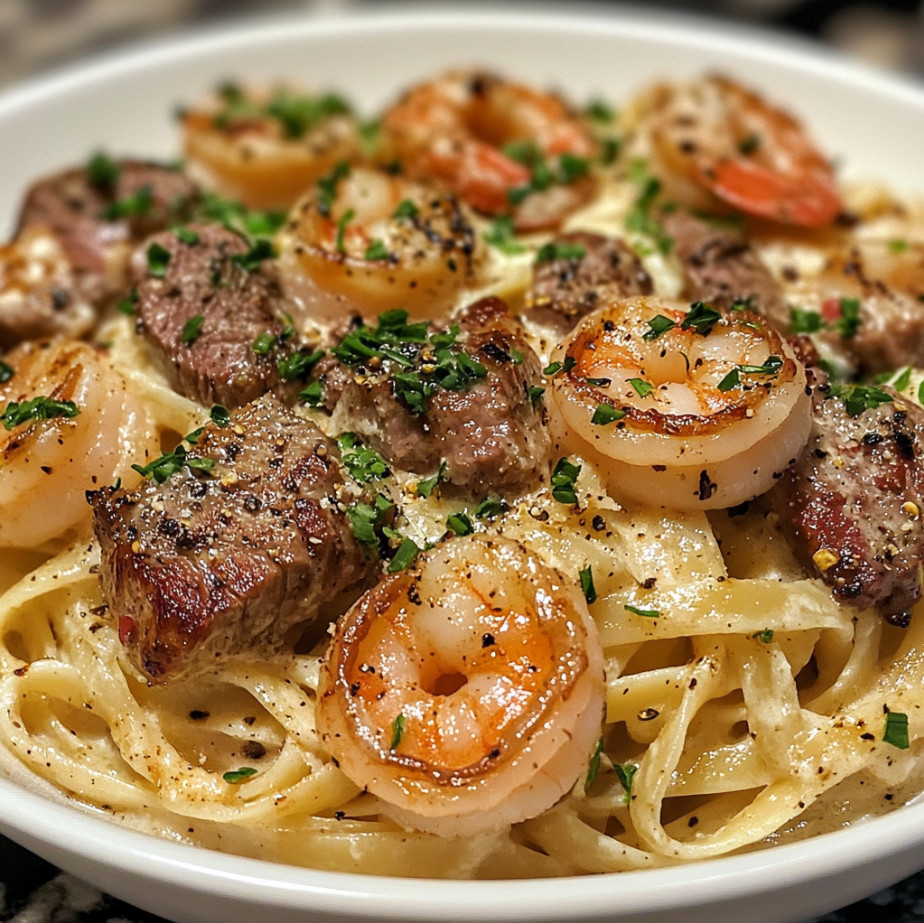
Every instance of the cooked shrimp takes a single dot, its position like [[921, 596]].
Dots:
[[265, 147], [687, 409], [39, 294], [70, 423], [466, 693], [714, 136], [365, 241], [505, 148]]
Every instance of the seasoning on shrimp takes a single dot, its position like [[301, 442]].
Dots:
[[365, 241], [466, 693], [712, 140], [265, 146], [503, 147], [698, 410]]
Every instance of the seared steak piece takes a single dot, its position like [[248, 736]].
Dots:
[[203, 304], [565, 288], [855, 499], [720, 267], [39, 294], [885, 289], [101, 211], [470, 398], [228, 558]]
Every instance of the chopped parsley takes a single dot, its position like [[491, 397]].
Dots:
[[132, 206], [600, 111], [192, 329], [587, 585], [801, 321], [560, 250], [606, 414], [344, 220], [236, 217], [361, 462], [236, 776], [641, 387], [405, 209], [593, 767], [657, 325], [491, 507], [460, 523], [426, 487], [564, 478], [6, 372], [187, 236], [848, 323], [262, 249], [129, 303], [366, 519], [749, 144], [158, 260], [641, 218], [765, 636], [298, 365], [733, 379], [502, 236], [625, 772], [535, 394], [377, 250], [103, 172], [312, 395], [857, 399], [645, 613], [418, 361], [295, 113], [219, 415], [406, 553], [397, 732], [327, 187], [896, 730], [38, 408], [555, 367], [568, 168], [167, 465]]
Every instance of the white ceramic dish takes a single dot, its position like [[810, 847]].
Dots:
[[124, 103]]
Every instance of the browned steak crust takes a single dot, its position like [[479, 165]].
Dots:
[[853, 502], [213, 563]]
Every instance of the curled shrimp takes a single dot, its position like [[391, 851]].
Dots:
[[265, 147], [690, 409], [366, 241], [714, 136], [39, 294], [466, 693], [503, 147], [69, 423]]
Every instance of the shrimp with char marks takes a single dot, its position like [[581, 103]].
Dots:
[[713, 140], [69, 422], [466, 693], [692, 409], [503, 147], [365, 241]]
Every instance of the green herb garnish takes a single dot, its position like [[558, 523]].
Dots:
[[502, 236], [236, 776], [561, 250], [361, 462], [645, 613], [896, 730], [593, 767], [38, 408], [625, 772], [564, 478], [606, 414], [397, 732], [587, 585], [158, 260], [192, 329]]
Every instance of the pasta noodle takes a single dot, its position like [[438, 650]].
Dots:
[[738, 692]]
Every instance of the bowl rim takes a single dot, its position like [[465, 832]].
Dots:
[[41, 820]]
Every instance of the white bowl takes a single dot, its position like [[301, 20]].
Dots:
[[871, 122]]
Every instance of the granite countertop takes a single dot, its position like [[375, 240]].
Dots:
[[33, 891]]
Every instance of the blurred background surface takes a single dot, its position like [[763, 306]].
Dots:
[[37, 35]]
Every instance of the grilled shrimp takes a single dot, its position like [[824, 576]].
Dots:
[[365, 241], [466, 693], [713, 137], [265, 147], [69, 424], [505, 148], [687, 409]]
